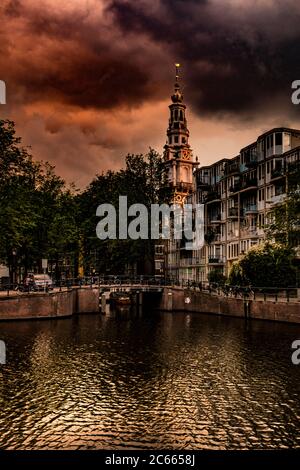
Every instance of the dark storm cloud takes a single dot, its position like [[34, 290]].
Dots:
[[89, 81], [72, 58], [239, 55]]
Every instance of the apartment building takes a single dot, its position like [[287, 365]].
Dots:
[[238, 194]]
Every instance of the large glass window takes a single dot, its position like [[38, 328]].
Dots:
[[278, 138]]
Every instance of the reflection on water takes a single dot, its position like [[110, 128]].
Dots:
[[174, 381]]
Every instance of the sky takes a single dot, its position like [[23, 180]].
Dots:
[[89, 81]]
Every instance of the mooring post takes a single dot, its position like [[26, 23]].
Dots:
[[169, 300], [103, 303]]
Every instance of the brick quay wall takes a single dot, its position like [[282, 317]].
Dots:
[[86, 300], [178, 299]]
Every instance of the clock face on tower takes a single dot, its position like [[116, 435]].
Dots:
[[185, 155]]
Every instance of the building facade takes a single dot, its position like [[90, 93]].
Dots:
[[238, 195]]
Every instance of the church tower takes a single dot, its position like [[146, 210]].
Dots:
[[178, 156]]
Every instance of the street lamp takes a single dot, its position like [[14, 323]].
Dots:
[[14, 255]]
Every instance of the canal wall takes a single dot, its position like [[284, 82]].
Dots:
[[40, 305], [178, 299], [86, 300], [49, 305]]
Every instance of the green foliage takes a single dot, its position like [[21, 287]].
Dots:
[[266, 265], [285, 217], [41, 218], [216, 276], [37, 213], [143, 181]]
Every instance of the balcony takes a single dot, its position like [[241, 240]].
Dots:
[[233, 234], [217, 238], [251, 162], [293, 166], [202, 184], [234, 213], [212, 196], [276, 199], [277, 173], [249, 232], [215, 260], [231, 169], [250, 209], [235, 188], [187, 262], [248, 184], [215, 219]]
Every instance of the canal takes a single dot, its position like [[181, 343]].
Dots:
[[149, 381]]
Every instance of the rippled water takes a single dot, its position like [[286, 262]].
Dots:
[[172, 381]]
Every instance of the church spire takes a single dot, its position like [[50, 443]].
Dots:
[[177, 133], [178, 96], [178, 155]]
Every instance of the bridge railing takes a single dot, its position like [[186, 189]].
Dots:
[[274, 294], [9, 289]]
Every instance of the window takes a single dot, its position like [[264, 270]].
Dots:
[[176, 139], [181, 115], [159, 249], [270, 141], [279, 190], [261, 220], [278, 138], [158, 266], [183, 140], [261, 195]]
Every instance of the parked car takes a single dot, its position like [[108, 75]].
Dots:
[[37, 282]]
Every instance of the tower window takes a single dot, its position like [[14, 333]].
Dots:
[[176, 139], [176, 114], [181, 115], [183, 140]]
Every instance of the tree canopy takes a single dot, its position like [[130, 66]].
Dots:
[[41, 217], [37, 215], [268, 264]]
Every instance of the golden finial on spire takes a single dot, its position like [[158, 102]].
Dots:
[[177, 97], [177, 71]]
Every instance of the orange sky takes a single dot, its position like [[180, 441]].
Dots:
[[89, 81]]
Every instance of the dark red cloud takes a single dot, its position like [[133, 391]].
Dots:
[[90, 81]]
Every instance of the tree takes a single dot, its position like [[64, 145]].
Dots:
[[216, 276], [32, 201], [268, 264], [285, 217], [143, 181]]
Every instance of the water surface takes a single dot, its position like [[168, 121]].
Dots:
[[149, 381]]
